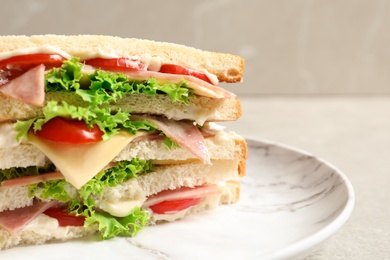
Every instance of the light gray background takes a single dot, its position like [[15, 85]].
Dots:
[[290, 46]]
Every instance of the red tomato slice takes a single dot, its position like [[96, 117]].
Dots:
[[63, 130], [64, 218], [176, 69], [117, 64], [169, 206], [17, 65], [126, 64]]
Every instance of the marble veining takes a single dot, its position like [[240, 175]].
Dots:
[[151, 251], [290, 203], [317, 186]]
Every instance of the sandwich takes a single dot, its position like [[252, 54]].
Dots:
[[103, 135]]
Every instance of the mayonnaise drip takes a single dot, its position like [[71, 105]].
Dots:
[[44, 49], [151, 63]]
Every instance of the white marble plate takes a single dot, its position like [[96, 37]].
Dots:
[[291, 202]]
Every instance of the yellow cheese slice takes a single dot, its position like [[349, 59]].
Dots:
[[79, 163]]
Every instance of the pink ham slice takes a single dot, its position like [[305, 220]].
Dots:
[[13, 221], [154, 137], [28, 87], [185, 134], [28, 180], [163, 78], [182, 193], [176, 78]]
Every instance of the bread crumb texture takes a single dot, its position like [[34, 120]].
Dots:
[[227, 67]]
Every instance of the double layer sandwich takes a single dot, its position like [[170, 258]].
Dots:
[[105, 135]]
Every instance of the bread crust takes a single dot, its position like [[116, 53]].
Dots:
[[227, 67], [241, 142]]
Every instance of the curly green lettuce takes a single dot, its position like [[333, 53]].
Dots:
[[101, 86], [97, 89], [110, 227], [16, 172], [83, 204], [108, 122]]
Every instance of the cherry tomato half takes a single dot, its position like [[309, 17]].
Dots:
[[176, 69], [174, 205], [64, 218], [116, 64], [64, 130]]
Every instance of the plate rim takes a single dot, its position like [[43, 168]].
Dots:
[[311, 242]]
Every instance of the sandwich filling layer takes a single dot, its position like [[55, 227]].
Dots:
[[96, 202], [21, 77], [88, 161]]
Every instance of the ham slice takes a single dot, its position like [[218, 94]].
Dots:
[[200, 87], [154, 137], [185, 134], [27, 180], [14, 220], [182, 193], [28, 87]]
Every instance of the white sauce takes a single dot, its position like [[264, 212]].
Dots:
[[46, 49], [173, 216], [151, 63], [105, 55], [169, 217], [120, 208], [212, 126], [212, 77], [46, 226]]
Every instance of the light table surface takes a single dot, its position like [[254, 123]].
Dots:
[[350, 132]]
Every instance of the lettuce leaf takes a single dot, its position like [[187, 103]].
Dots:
[[108, 122], [56, 189], [123, 171], [104, 86], [84, 203], [98, 89], [67, 77], [16, 172], [170, 144], [110, 227]]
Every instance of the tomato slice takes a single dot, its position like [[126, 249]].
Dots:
[[17, 65], [63, 130], [176, 69], [126, 64], [170, 206], [116, 64], [64, 218]]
